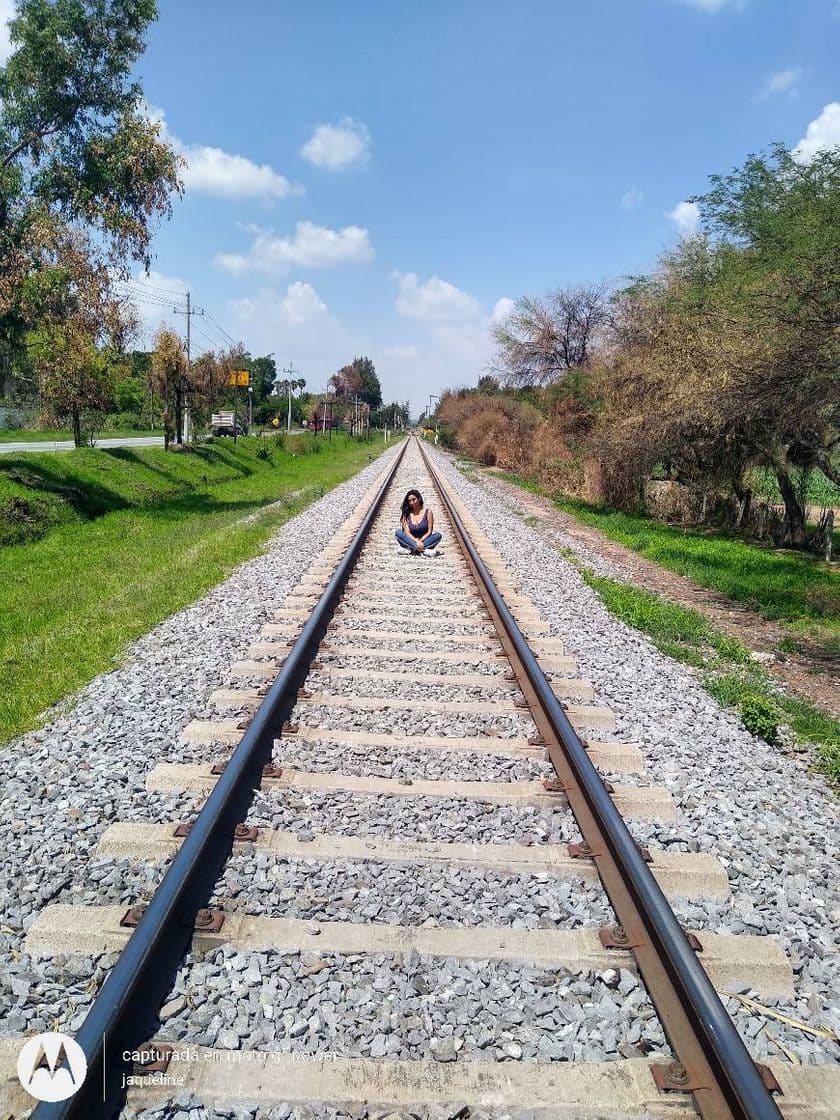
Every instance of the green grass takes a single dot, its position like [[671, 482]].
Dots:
[[785, 586], [26, 435], [72, 600], [728, 672], [40, 489], [820, 490]]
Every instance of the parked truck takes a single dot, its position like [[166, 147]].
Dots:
[[226, 424]]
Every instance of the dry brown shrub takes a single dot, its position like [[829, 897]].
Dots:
[[553, 465], [494, 430]]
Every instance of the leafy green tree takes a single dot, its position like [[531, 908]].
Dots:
[[263, 377], [780, 216], [77, 144], [370, 391]]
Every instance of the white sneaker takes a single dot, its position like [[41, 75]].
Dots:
[[430, 552]]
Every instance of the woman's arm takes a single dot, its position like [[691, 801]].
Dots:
[[431, 524]]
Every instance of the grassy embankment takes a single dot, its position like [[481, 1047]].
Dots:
[[60, 435], [790, 588], [110, 542]]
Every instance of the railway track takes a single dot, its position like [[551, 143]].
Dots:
[[402, 724]]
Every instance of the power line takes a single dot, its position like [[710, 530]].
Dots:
[[147, 286], [213, 342], [215, 333], [230, 338]]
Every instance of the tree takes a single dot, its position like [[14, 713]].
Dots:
[[358, 379], [207, 382], [346, 383], [77, 350], [371, 390], [781, 214], [76, 142], [543, 337], [169, 377], [393, 415], [263, 377]]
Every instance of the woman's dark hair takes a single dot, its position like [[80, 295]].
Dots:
[[406, 508]]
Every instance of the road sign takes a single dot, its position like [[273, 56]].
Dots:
[[239, 377]]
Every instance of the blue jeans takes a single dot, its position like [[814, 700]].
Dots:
[[410, 543]]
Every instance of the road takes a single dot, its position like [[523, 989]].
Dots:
[[67, 444]]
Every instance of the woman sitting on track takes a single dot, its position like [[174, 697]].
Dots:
[[416, 532]]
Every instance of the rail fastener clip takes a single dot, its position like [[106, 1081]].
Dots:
[[206, 921], [554, 785], [675, 1078]]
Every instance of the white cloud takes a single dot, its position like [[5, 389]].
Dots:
[[824, 132], [686, 216], [502, 309], [456, 344], [311, 247], [338, 146], [300, 304], [7, 10], [296, 325], [215, 172], [435, 300], [632, 198], [782, 81]]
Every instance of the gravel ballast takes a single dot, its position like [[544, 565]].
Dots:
[[85, 769], [772, 823], [737, 799]]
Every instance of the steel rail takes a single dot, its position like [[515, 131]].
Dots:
[[124, 1014], [714, 1064]]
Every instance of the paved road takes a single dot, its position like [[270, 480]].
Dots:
[[67, 444]]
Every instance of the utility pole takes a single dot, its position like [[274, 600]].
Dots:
[[182, 420], [289, 373], [434, 397]]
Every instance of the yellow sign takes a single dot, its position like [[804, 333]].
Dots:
[[239, 377]]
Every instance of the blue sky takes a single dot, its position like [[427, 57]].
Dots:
[[382, 177]]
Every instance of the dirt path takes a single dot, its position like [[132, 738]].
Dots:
[[807, 677]]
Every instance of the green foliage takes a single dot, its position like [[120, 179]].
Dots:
[[815, 488], [74, 131], [760, 718], [79, 159], [371, 390]]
